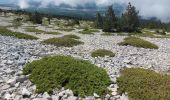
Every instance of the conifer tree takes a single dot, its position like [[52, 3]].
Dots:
[[110, 20], [130, 19], [99, 20]]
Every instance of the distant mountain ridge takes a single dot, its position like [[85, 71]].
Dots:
[[85, 12]]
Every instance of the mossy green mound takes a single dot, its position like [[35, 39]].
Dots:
[[34, 30], [6, 32], [54, 33], [141, 84], [71, 36], [63, 42], [64, 71], [102, 53], [138, 42]]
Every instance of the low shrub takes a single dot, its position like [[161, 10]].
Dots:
[[138, 42], [102, 53], [71, 36], [80, 76], [141, 84], [6, 32], [63, 41]]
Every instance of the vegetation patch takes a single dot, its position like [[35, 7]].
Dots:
[[102, 53], [64, 71], [54, 33], [71, 36], [34, 30], [63, 41], [66, 29], [108, 34], [88, 31], [141, 84], [138, 42], [6, 32]]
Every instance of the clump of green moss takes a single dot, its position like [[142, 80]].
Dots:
[[142, 84], [63, 41], [32, 29], [80, 76], [71, 36], [138, 42], [6, 32], [102, 53], [54, 33]]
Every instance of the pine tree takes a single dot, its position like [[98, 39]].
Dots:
[[110, 20], [99, 20], [130, 19]]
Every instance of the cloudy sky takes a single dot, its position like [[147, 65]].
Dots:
[[147, 8]]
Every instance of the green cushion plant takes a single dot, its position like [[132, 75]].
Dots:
[[80, 76]]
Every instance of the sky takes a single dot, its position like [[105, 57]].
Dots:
[[147, 8]]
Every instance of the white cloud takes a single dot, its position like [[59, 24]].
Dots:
[[23, 4]]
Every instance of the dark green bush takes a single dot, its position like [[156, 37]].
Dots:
[[141, 84], [80, 76], [63, 41], [6, 32], [102, 53], [138, 42]]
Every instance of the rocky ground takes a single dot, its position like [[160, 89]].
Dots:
[[15, 53]]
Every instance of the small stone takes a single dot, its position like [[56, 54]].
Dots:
[[17, 84], [90, 98], [107, 97], [124, 97], [11, 82], [72, 98], [114, 80], [114, 93], [96, 95], [54, 97], [69, 92], [47, 96], [9, 62], [21, 78], [25, 93], [8, 96], [4, 87]]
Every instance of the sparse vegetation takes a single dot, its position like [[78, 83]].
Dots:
[[17, 22], [141, 84], [31, 29], [65, 29], [108, 34], [89, 31], [64, 71], [138, 42], [54, 33], [63, 42], [102, 53], [6, 32], [71, 36]]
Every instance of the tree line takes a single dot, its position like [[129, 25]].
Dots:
[[128, 22]]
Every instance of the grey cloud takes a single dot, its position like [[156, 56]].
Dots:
[[147, 8]]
